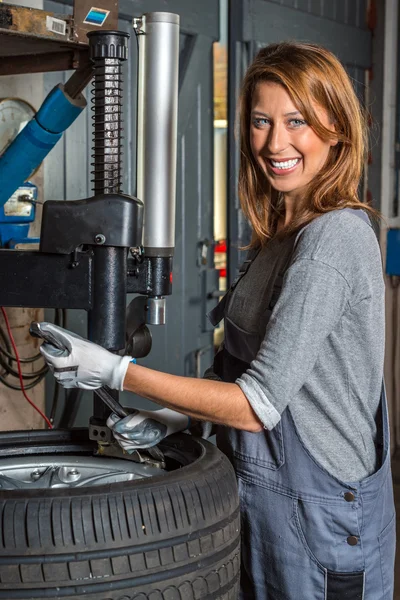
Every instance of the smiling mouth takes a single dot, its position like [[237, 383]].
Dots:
[[281, 167]]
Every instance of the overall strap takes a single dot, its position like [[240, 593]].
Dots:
[[217, 313]]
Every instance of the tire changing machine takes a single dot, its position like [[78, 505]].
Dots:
[[95, 251]]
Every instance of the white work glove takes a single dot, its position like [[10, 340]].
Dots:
[[144, 429], [82, 364]]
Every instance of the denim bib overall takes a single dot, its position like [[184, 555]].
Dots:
[[306, 535]]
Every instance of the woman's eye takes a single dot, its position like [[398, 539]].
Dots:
[[297, 122], [260, 122]]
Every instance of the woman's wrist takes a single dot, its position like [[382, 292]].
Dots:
[[127, 363]]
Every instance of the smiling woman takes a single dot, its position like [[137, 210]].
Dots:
[[287, 149], [303, 127]]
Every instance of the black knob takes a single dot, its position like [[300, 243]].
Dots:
[[108, 44]]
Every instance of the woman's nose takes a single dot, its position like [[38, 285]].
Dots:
[[277, 139]]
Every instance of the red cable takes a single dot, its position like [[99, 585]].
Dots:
[[20, 370]]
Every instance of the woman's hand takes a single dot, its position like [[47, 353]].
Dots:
[[146, 428], [82, 364]]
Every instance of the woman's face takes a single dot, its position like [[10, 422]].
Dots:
[[287, 149]]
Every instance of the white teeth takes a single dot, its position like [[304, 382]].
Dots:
[[288, 164]]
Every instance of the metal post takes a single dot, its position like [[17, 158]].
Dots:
[[107, 318]]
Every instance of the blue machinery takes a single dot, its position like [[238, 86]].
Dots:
[[26, 152]]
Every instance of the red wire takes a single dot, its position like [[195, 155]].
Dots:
[[20, 370]]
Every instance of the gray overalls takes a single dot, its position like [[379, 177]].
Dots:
[[305, 534]]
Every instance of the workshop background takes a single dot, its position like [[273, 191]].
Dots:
[[217, 39]]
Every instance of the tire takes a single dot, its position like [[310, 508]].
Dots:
[[168, 537]]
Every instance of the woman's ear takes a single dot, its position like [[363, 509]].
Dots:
[[332, 128], [333, 141]]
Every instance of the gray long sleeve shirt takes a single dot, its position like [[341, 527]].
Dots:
[[323, 348]]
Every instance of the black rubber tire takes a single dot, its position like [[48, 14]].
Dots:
[[171, 537]]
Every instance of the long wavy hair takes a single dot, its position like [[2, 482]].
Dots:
[[310, 74]]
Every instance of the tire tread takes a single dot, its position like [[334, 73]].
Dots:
[[152, 530]]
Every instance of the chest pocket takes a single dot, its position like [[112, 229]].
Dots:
[[248, 309], [250, 303], [241, 343]]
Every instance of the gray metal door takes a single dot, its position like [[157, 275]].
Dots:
[[339, 25], [184, 345]]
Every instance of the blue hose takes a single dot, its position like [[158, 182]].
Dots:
[[35, 141]]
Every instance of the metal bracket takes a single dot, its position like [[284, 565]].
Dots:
[[100, 434], [137, 23], [151, 456], [203, 248]]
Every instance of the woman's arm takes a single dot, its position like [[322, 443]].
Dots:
[[86, 365], [204, 399]]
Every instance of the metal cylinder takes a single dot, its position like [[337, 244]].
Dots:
[[155, 314], [158, 37]]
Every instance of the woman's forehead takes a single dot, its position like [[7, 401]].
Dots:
[[269, 92], [271, 95]]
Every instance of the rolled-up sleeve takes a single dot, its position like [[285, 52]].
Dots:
[[313, 299]]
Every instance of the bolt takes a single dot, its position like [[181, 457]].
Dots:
[[99, 238], [73, 475], [136, 251]]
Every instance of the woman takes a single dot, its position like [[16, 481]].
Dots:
[[297, 385]]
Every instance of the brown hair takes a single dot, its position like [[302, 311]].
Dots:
[[309, 73]]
